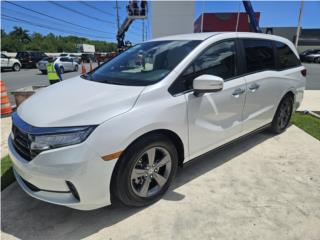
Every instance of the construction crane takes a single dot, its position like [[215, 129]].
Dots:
[[254, 25], [133, 12]]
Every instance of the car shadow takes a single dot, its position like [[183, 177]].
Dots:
[[28, 218]]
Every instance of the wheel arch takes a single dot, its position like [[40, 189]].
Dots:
[[174, 137]]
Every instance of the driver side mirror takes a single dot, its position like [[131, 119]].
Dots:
[[207, 83]]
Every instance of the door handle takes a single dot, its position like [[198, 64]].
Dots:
[[253, 87], [238, 92]]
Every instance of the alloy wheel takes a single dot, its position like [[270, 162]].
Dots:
[[285, 113], [151, 172]]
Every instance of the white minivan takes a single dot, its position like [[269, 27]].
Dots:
[[121, 131]]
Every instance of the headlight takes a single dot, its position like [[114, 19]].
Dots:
[[61, 139]]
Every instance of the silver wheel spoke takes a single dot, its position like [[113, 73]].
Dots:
[[163, 161], [151, 155], [151, 172], [159, 179], [145, 187], [137, 173]]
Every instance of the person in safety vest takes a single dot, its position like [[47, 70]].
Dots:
[[53, 71]]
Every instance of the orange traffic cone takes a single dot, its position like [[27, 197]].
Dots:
[[91, 66], [83, 68], [5, 103]]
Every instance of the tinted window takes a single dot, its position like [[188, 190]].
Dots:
[[286, 57], [219, 60], [64, 59], [259, 55], [143, 64], [3, 56]]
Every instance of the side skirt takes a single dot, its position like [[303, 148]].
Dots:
[[237, 140]]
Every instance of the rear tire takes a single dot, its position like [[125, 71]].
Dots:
[[139, 181], [76, 68], [283, 114], [16, 67]]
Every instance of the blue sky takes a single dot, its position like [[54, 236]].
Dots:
[[273, 13]]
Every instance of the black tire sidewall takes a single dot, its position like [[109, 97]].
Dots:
[[14, 67], [127, 162], [274, 126], [62, 70]]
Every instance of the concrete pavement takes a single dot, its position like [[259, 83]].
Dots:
[[5, 131], [235, 193], [311, 101]]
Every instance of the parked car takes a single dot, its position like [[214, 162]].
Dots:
[[30, 58], [10, 63], [313, 57], [305, 53], [123, 129], [87, 57], [66, 64], [76, 58]]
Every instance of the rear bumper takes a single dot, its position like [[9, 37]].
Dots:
[[50, 171]]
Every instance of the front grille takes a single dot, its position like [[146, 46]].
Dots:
[[21, 143]]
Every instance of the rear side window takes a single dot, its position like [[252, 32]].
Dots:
[[286, 57], [259, 55]]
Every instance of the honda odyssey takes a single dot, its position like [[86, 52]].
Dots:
[[121, 131]]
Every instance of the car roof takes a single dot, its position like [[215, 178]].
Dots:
[[206, 35], [189, 36]]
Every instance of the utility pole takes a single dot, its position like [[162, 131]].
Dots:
[[202, 16], [299, 23], [118, 19], [142, 30]]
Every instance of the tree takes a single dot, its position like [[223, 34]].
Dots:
[[21, 35], [20, 40]]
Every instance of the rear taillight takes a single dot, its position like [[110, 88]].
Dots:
[[304, 72]]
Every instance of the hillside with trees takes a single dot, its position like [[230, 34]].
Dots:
[[21, 40]]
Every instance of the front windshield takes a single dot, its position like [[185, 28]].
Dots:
[[143, 64]]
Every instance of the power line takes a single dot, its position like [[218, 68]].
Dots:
[[57, 19], [80, 13], [95, 8], [40, 19], [14, 19]]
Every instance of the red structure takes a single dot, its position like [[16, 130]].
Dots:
[[223, 22]]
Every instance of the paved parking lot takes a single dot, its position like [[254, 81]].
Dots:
[[235, 193], [27, 77]]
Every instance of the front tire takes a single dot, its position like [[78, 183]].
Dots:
[[76, 68], [62, 70], [16, 67], [283, 114], [145, 171]]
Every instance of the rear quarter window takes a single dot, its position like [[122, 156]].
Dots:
[[286, 57], [259, 55]]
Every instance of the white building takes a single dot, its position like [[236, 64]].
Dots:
[[172, 17]]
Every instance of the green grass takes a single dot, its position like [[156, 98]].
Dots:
[[7, 176], [307, 123]]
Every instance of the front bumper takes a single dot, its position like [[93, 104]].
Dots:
[[50, 170]]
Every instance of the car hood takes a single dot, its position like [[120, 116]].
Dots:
[[77, 102]]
